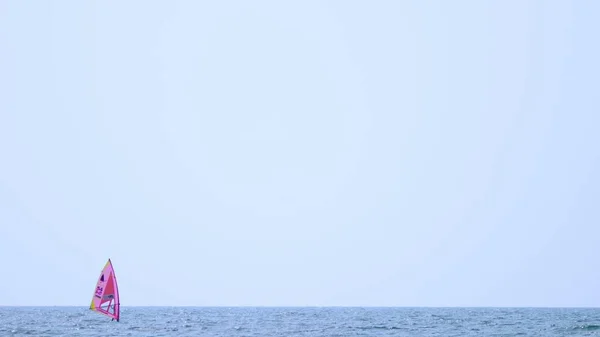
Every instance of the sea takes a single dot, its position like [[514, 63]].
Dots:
[[309, 321]]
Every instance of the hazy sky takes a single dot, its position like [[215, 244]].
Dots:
[[404, 153]]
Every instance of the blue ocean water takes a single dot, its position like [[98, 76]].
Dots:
[[245, 321]]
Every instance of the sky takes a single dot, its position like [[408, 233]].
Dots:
[[301, 153]]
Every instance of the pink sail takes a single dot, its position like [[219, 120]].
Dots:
[[106, 295]]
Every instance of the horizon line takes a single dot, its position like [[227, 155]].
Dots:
[[312, 306]]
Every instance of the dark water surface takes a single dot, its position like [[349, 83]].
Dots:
[[190, 321]]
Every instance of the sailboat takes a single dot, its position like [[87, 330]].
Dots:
[[106, 296]]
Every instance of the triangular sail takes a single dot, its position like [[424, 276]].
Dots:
[[106, 295]]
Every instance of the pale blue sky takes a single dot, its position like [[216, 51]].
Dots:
[[428, 153]]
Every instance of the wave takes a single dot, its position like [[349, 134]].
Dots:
[[587, 327]]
